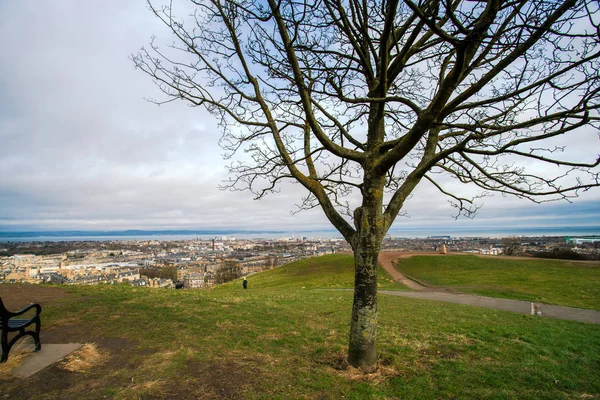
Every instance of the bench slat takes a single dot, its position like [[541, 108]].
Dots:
[[15, 323]]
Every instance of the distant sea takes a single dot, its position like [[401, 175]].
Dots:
[[47, 236]]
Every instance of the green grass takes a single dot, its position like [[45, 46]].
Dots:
[[334, 271], [567, 283], [282, 340]]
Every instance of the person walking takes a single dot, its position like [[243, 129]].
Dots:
[[245, 283]]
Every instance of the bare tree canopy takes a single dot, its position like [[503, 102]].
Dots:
[[228, 271], [511, 246], [360, 101]]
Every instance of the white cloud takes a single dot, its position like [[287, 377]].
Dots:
[[81, 148]]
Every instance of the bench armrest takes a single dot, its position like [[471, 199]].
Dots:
[[29, 307]]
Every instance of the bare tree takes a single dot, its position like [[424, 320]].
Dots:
[[360, 101], [271, 262], [228, 271], [511, 246]]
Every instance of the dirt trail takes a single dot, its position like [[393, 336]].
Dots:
[[386, 259]]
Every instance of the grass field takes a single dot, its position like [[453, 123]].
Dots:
[[281, 339], [566, 283], [335, 271]]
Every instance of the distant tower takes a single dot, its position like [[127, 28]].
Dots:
[[443, 249], [213, 244]]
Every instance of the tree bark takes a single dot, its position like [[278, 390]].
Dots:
[[369, 221], [362, 352]]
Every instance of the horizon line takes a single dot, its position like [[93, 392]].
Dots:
[[230, 231]]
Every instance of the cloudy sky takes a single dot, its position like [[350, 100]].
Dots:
[[81, 148]]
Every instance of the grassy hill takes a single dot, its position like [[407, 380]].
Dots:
[[280, 339], [566, 283], [334, 271]]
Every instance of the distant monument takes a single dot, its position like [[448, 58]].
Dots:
[[443, 249]]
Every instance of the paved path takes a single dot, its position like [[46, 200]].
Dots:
[[519, 306], [49, 354]]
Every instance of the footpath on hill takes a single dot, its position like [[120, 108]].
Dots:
[[443, 294]]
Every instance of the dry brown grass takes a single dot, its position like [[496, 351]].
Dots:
[[383, 373], [337, 364], [83, 359], [14, 361], [20, 350], [156, 386]]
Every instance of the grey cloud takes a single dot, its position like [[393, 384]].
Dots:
[[81, 148]]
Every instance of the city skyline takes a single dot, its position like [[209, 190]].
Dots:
[[83, 150]]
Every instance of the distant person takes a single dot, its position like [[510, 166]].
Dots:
[[245, 283]]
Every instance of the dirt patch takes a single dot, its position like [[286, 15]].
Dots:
[[51, 379], [226, 379], [89, 371], [337, 364], [17, 296]]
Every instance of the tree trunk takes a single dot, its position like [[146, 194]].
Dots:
[[362, 351]]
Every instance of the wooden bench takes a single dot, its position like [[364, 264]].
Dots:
[[8, 323]]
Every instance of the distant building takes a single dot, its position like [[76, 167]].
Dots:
[[52, 277], [583, 240], [194, 280], [160, 283], [128, 276], [492, 251], [181, 272]]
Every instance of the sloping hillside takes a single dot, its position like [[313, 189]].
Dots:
[[280, 341], [330, 271], [565, 283]]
